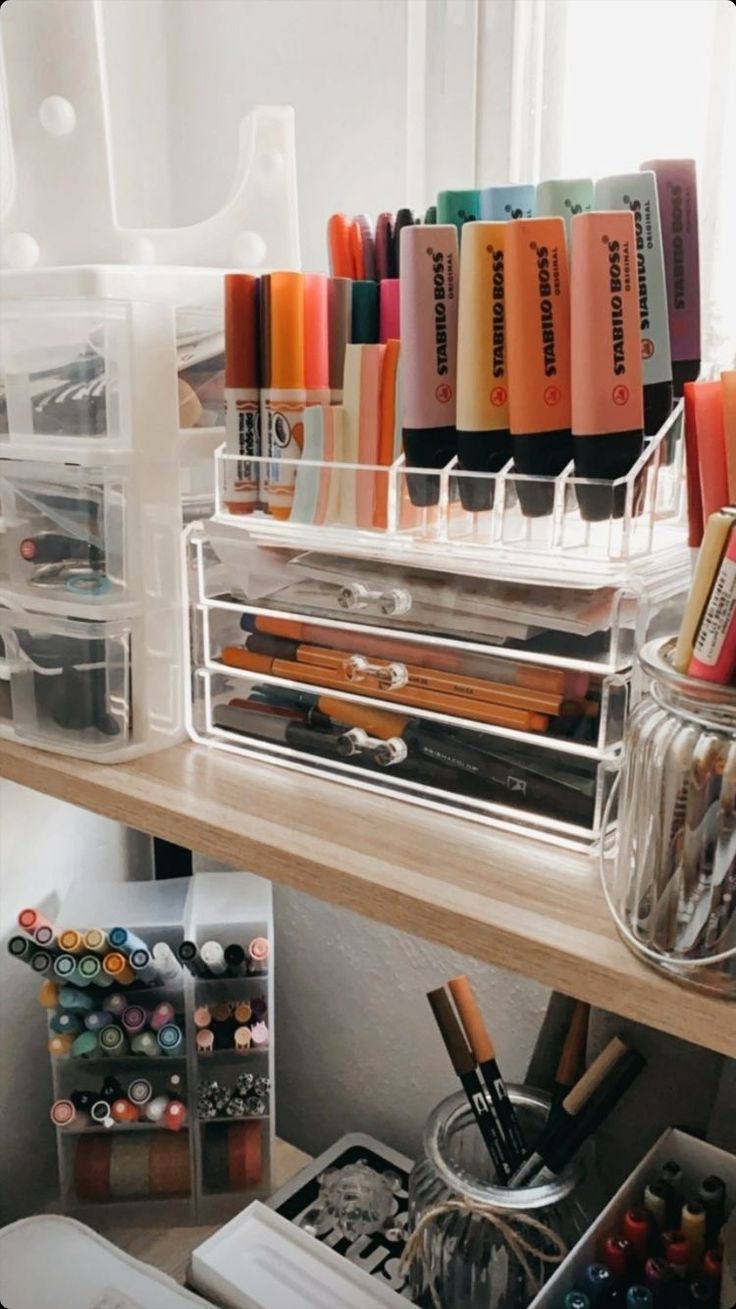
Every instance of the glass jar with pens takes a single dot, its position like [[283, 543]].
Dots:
[[671, 883]]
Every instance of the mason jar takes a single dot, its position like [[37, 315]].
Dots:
[[472, 1260], [671, 884]]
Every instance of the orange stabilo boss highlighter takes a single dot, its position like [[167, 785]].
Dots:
[[538, 346], [607, 374], [285, 398]]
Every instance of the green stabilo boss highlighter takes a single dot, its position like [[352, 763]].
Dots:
[[562, 197], [458, 207]]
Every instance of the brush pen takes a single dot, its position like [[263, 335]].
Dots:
[[485, 1056], [600, 1104], [572, 1057], [572, 1105], [30, 920], [464, 1065], [213, 956], [235, 960], [166, 963]]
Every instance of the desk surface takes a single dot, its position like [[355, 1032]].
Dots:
[[501, 898]]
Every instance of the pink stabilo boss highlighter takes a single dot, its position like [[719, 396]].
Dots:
[[607, 392], [428, 308], [678, 207], [714, 655]]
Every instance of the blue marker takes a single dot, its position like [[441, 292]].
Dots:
[[121, 939]]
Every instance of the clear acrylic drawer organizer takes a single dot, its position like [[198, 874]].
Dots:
[[369, 509], [232, 577]]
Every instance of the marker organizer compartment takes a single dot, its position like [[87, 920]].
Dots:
[[208, 1168], [498, 516], [500, 700]]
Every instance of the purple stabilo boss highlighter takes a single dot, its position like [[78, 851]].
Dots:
[[678, 207], [428, 312]]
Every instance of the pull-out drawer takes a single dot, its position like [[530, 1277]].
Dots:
[[500, 695], [589, 627], [554, 789]]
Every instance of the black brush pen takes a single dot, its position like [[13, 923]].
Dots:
[[464, 1064], [482, 1047]]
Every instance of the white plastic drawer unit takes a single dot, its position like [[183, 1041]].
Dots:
[[69, 685], [494, 697]]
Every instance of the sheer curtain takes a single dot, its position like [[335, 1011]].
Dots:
[[598, 87]]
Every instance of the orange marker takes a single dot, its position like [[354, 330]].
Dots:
[[117, 966], [496, 715], [538, 354], [339, 248], [355, 237], [607, 377], [71, 941], [242, 396], [316, 340], [285, 398]]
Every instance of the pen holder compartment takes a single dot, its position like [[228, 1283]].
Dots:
[[671, 882], [473, 1242], [333, 503]]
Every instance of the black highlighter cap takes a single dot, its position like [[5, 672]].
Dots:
[[605, 458], [684, 370], [481, 452], [543, 454], [427, 447], [658, 399]]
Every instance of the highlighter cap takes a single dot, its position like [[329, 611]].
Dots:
[[500, 203], [286, 331], [562, 197], [339, 315], [241, 330], [677, 189], [458, 207], [316, 333]]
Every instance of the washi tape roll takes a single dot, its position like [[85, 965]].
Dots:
[[215, 1157], [168, 1164], [92, 1167], [244, 1155], [129, 1160]]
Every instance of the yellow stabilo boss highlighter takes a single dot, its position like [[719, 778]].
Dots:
[[483, 436]]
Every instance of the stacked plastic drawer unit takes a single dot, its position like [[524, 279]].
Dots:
[[111, 395]]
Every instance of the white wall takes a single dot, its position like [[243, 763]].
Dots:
[[44, 845]]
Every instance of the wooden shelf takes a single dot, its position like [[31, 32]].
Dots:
[[497, 897]]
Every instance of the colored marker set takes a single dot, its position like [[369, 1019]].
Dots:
[[667, 1252], [118, 1027], [231, 1025], [213, 959], [116, 1107], [95, 957], [578, 1109]]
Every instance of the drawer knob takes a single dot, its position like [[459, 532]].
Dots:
[[393, 751], [356, 596], [356, 741], [388, 676]]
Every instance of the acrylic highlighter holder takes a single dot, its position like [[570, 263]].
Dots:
[[536, 522], [134, 1171], [384, 623]]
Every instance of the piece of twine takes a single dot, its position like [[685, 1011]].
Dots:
[[507, 1225]]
